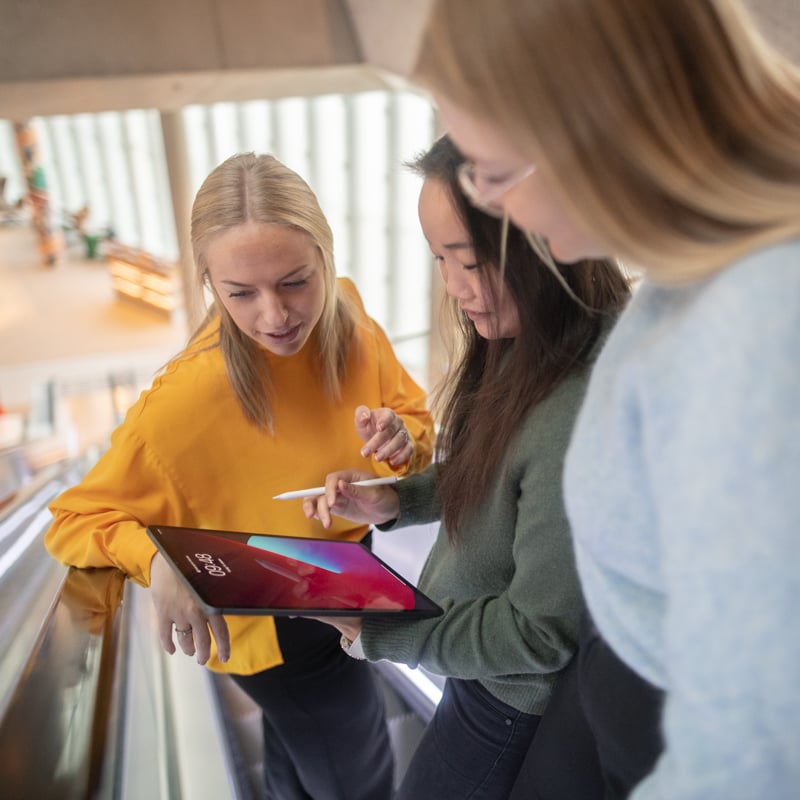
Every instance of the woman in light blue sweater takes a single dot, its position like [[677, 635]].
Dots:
[[666, 133]]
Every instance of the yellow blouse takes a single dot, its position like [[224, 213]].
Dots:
[[186, 455]]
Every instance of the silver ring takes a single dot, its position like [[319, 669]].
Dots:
[[183, 631], [405, 434]]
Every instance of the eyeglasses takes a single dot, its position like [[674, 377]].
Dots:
[[485, 192]]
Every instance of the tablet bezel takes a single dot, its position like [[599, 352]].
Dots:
[[424, 606]]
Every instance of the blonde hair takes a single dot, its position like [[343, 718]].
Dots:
[[670, 129], [259, 188]]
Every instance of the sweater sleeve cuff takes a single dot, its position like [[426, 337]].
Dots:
[[353, 649]]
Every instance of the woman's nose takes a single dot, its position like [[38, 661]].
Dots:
[[273, 311], [455, 283]]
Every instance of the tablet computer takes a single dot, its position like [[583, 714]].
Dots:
[[232, 572]]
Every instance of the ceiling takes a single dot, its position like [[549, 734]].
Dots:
[[68, 56]]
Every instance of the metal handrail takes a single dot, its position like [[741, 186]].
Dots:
[[29, 579], [53, 731], [90, 706]]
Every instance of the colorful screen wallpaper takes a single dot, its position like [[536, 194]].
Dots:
[[252, 572]]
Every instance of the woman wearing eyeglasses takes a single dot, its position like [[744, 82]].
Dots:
[[502, 564], [670, 139]]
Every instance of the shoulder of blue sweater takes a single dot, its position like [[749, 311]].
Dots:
[[765, 276], [767, 271], [746, 314]]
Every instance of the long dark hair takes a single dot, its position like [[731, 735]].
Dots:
[[492, 383]]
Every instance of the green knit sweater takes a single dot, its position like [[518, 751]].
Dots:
[[508, 587]]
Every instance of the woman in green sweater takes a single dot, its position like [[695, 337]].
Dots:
[[502, 565]]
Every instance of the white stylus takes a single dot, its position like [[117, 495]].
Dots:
[[317, 491]]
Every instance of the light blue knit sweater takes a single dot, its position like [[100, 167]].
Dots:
[[683, 490]]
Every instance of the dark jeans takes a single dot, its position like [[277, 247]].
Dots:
[[472, 748], [600, 734], [325, 734]]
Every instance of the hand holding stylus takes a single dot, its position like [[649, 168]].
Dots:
[[316, 491], [345, 498]]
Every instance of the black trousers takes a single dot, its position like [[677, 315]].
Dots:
[[601, 731], [472, 748], [325, 734]]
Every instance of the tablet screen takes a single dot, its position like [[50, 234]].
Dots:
[[241, 573]]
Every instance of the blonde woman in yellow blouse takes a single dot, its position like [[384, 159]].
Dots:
[[286, 380]]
